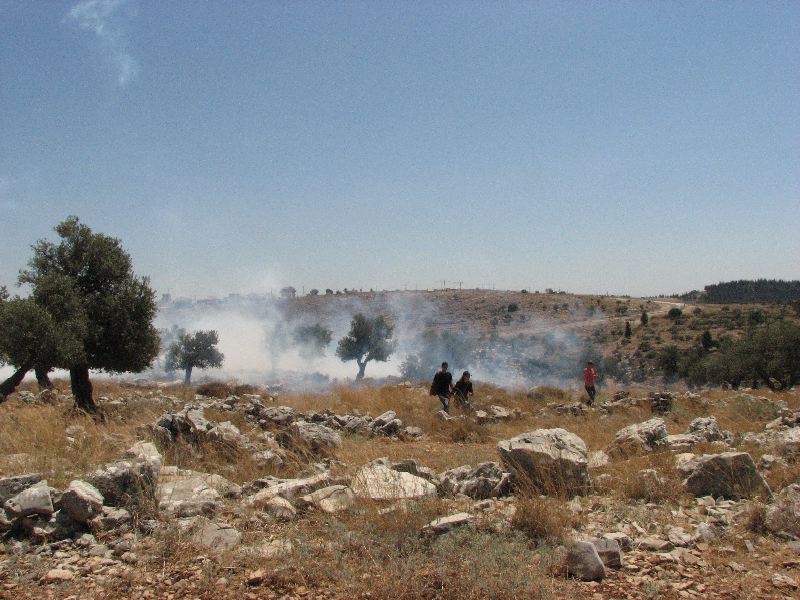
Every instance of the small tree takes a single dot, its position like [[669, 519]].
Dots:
[[313, 292], [368, 339], [194, 351], [313, 339], [707, 341], [674, 313], [628, 330], [644, 319], [31, 339], [87, 285], [288, 292]]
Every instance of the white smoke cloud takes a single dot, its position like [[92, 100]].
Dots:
[[106, 20]]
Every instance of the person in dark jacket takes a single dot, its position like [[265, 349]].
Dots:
[[463, 390], [442, 386]]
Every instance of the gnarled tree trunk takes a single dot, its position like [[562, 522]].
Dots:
[[42, 378], [82, 388], [362, 365], [187, 376], [9, 385]]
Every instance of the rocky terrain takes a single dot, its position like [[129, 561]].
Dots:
[[373, 493]]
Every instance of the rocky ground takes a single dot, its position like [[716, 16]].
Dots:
[[372, 493]]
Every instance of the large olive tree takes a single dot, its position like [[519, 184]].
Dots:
[[368, 339], [86, 283]]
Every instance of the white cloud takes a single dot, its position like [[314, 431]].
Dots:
[[105, 19]]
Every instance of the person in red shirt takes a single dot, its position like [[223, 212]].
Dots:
[[589, 377]]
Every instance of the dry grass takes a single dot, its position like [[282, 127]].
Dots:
[[544, 520]]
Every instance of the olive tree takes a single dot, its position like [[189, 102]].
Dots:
[[368, 339], [196, 350], [31, 339], [103, 311]]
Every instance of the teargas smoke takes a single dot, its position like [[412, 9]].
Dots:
[[292, 340]]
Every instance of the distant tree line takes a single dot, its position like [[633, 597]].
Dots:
[[766, 354], [745, 291]]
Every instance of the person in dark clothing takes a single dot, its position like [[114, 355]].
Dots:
[[463, 390], [442, 386]]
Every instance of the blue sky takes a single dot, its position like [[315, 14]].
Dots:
[[238, 146]]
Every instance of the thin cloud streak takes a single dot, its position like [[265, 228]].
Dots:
[[103, 18]]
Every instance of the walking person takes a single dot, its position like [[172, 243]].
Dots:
[[589, 378], [463, 390], [442, 386]]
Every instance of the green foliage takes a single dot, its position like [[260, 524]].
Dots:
[[707, 341], [674, 313], [628, 329], [312, 339], [87, 285], [760, 291], [368, 339], [196, 350], [30, 336], [645, 318], [513, 307]]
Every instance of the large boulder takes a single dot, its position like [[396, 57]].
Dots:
[[33, 500], [705, 429], [126, 483], [214, 536], [783, 517], [188, 494], [318, 438], [279, 415], [583, 562], [729, 474], [81, 501], [639, 438], [11, 486], [148, 453], [377, 481], [549, 460], [487, 480]]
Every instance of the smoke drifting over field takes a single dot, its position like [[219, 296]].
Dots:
[[262, 342]]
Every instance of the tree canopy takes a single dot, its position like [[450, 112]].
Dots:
[[103, 311], [196, 350], [368, 339]]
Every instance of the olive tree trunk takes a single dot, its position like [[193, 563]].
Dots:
[[9, 385], [42, 378], [82, 388], [187, 376], [362, 366]]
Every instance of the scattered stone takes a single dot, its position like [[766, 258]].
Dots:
[[729, 475], [58, 575], [654, 544], [188, 495], [639, 438], [214, 536], [81, 501], [318, 438], [445, 524], [33, 500], [583, 562], [288, 488], [11, 486], [487, 480], [332, 499], [552, 460], [784, 514], [379, 482], [278, 508], [609, 552]]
